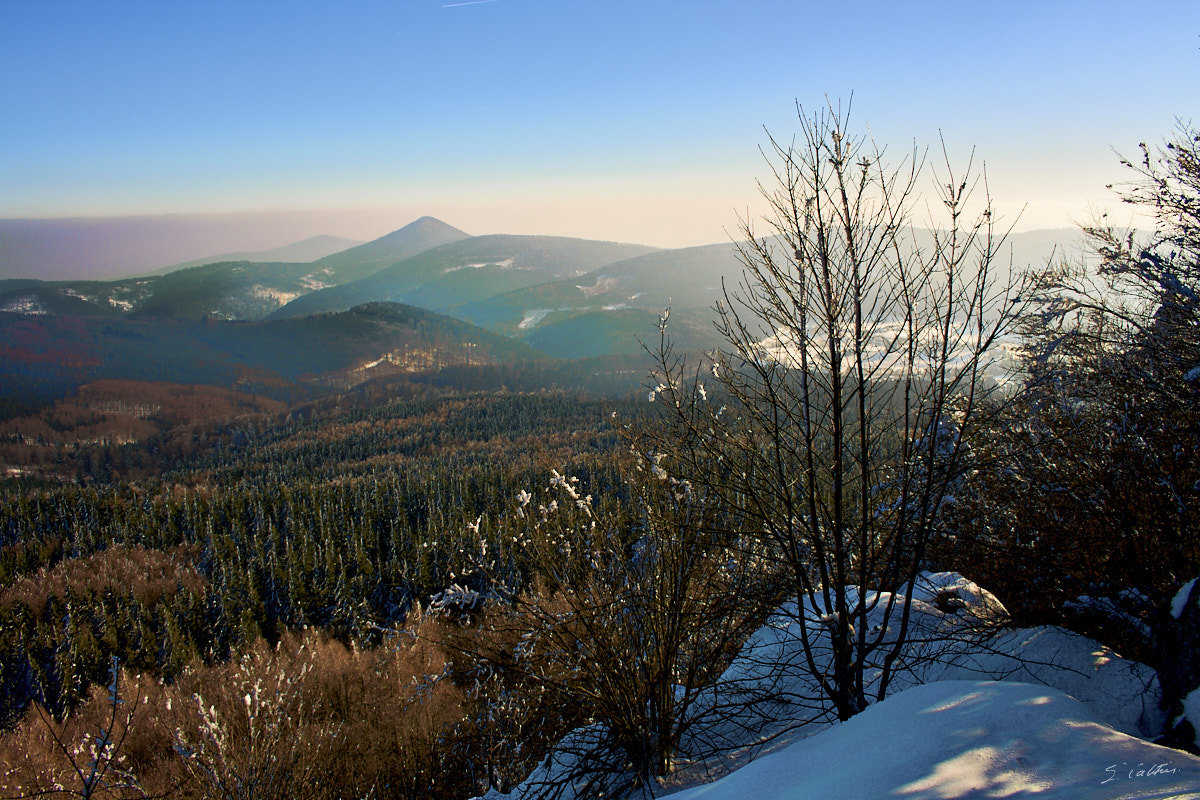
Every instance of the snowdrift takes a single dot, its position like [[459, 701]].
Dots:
[[965, 739]]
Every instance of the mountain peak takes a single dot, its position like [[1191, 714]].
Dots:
[[428, 228], [415, 237], [431, 222]]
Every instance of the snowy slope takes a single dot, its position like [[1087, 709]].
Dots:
[[965, 739]]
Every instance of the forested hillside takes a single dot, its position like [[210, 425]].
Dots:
[[343, 517], [43, 357]]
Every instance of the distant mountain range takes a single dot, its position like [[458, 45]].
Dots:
[[302, 252], [543, 295], [244, 289], [103, 248], [471, 269]]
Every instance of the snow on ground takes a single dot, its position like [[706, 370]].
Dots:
[[1125, 694], [1179, 602], [505, 264], [965, 739], [26, 304], [603, 284], [979, 712], [280, 297], [313, 283], [533, 317]]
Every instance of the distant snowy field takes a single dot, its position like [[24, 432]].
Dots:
[[1027, 713]]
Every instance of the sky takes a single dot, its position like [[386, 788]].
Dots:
[[620, 120]]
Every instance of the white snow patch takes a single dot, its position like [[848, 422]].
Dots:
[[27, 304], [1181, 597], [390, 357], [1125, 694], [505, 264], [935, 587], [277, 295], [457, 598], [603, 284], [533, 317]]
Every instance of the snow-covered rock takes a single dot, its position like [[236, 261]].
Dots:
[[1124, 694]]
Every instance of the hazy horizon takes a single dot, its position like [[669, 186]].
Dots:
[[69, 248], [105, 248], [619, 121]]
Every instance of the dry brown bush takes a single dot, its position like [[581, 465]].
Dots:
[[98, 752], [145, 574], [309, 717]]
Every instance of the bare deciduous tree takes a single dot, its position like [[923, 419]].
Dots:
[[859, 352]]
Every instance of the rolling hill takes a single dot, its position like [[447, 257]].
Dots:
[[235, 290], [85, 298], [445, 277], [687, 278], [609, 307], [247, 289], [621, 332], [302, 252], [568, 297]]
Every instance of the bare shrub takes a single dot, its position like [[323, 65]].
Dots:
[[86, 755], [630, 615]]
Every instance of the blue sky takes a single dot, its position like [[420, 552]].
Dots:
[[620, 120]]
